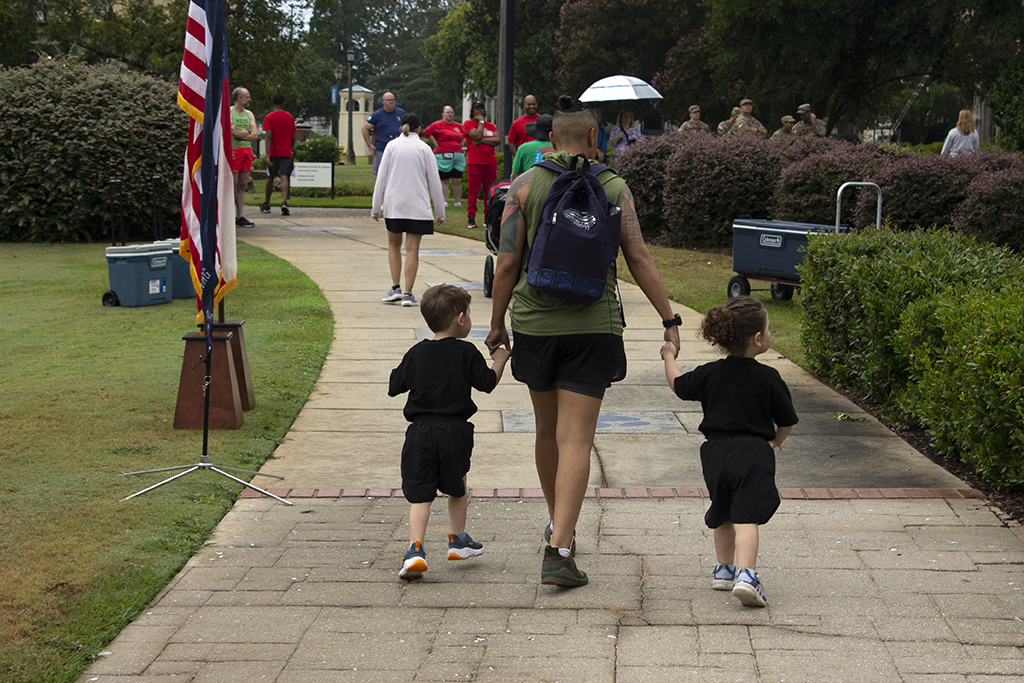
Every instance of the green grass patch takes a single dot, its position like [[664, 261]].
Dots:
[[89, 393]]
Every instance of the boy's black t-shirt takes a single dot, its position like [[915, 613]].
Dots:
[[739, 396], [440, 376]]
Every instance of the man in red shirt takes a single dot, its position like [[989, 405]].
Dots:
[[279, 127], [481, 163], [517, 134]]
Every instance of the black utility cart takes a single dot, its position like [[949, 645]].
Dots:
[[772, 251]]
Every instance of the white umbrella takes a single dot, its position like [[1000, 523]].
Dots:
[[616, 88]]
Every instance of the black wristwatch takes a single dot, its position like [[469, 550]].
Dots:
[[675, 320]]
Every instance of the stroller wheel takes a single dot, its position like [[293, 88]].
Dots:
[[488, 276]]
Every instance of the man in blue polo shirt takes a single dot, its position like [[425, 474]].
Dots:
[[382, 127]]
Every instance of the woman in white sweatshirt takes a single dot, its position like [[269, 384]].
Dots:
[[407, 180], [963, 139]]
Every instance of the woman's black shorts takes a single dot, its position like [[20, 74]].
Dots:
[[582, 363], [413, 227]]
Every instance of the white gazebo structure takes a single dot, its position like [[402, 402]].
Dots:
[[362, 107]]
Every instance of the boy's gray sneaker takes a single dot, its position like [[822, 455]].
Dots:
[[414, 564], [556, 570], [463, 550], [394, 294], [408, 299]]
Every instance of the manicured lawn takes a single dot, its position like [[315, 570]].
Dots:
[[89, 393]]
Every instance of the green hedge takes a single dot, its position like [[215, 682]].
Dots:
[[967, 377], [925, 323], [67, 129]]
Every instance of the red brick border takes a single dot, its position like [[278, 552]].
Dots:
[[636, 492]]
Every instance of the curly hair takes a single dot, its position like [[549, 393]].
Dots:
[[731, 325]]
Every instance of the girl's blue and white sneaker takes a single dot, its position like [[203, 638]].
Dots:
[[724, 577], [748, 589], [394, 294]]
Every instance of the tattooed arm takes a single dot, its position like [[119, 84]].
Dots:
[[641, 265], [509, 259]]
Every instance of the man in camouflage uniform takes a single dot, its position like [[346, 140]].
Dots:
[[786, 130], [694, 125], [725, 126], [746, 123], [809, 123]]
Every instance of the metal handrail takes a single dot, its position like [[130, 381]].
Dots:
[[839, 201]]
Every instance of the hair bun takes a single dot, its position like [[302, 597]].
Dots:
[[565, 102]]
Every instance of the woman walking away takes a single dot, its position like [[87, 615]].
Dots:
[[445, 136], [407, 180], [748, 413], [964, 138]]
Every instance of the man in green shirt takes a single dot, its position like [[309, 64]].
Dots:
[[566, 353], [243, 133], [694, 125]]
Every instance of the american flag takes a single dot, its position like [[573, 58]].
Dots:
[[207, 192]]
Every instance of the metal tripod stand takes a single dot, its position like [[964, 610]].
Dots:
[[204, 460]]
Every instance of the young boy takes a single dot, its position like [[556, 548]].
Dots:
[[439, 375]]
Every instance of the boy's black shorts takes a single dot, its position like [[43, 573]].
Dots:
[[740, 475], [435, 458]]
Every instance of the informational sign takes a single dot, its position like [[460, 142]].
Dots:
[[306, 174], [334, 95]]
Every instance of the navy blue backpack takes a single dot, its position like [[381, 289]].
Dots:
[[577, 238]]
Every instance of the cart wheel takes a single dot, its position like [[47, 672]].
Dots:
[[488, 276], [781, 292], [110, 299], [738, 286]]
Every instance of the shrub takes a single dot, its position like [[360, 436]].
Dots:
[[644, 170], [711, 181], [967, 377], [806, 191], [856, 287], [321, 149], [992, 211], [925, 191], [67, 129]]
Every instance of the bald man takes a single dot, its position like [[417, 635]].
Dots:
[[566, 354], [517, 134], [382, 127]]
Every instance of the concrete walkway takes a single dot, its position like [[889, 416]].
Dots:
[[879, 565]]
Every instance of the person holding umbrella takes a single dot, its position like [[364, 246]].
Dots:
[[407, 181], [626, 133]]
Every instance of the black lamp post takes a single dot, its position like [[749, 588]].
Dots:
[[350, 152], [338, 73]]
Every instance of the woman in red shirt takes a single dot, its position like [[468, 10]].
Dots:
[[481, 162], [445, 136]]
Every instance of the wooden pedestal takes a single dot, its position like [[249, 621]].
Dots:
[[225, 399], [241, 357]]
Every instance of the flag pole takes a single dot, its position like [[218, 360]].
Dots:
[[209, 232]]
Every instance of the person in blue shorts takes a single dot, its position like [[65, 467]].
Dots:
[[440, 374], [748, 413]]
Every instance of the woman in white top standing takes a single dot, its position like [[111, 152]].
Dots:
[[407, 180], [964, 138]]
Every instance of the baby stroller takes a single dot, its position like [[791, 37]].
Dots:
[[494, 206]]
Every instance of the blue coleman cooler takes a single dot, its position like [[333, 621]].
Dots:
[[140, 275]]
